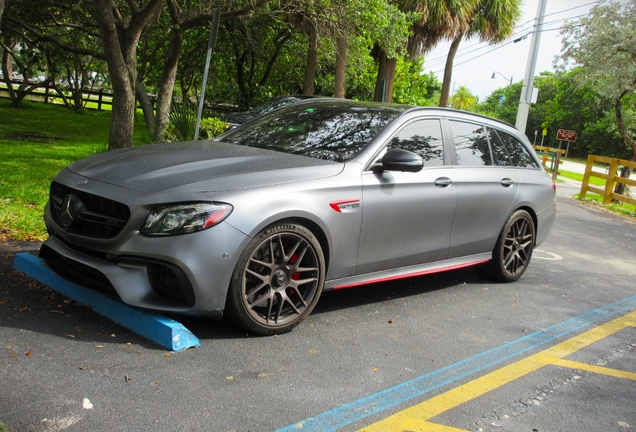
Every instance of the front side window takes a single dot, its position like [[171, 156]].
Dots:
[[423, 137], [471, 144]]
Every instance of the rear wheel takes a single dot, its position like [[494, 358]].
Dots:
[[513, 249], [277, 280]]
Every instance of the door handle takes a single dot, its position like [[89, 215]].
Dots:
[[506, 182], [443, 182]]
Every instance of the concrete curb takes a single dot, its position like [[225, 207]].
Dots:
[[155, 327]]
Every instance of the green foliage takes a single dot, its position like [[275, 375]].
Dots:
[[502, 103], [563, 103], [602, 43], [257, 57], [382, 22], [463, 99], [411, 87], [584, 110], [182, 121], [211, 127]]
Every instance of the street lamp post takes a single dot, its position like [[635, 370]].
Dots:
[[495, 72]]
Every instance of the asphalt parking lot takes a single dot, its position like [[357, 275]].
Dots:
[[555, 351]]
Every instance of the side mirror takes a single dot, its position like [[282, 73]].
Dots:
[[399, 160]]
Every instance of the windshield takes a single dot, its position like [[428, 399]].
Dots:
[[332, 131], [274, 103]]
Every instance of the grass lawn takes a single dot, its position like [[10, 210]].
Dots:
[[579, 177], [596, 199], [36, 142]]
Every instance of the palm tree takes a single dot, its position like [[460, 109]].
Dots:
[[439, 19], [463, 99], [491, 21]]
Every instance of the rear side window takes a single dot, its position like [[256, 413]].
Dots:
[[423, 137], [471, 144], [509, 151]]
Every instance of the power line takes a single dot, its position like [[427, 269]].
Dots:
[[492, 50], [521, 31], [515, 37]]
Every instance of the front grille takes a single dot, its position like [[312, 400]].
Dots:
[[95, 216], [77, 272]]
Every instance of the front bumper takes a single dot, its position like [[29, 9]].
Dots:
[[186, 274]]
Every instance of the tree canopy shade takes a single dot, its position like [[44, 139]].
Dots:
[[119, 27], [436, 19], [603, 45]]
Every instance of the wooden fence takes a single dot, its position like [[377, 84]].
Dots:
[[554, 154], [611, 179], [95, 99]]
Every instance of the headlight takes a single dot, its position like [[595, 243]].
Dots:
[[185, 218]]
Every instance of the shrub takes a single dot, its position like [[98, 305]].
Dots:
[[211, 127]]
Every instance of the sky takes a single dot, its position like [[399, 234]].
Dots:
[[475, 62]]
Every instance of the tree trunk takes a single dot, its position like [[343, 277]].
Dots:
[[341, 66], [386, 77], [2, 2], [7, 65], [147, 107], [448, 71], [120, 39], [312, 61], [622, 130], [166, 86], [7, 73]]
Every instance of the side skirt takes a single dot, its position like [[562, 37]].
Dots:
[[407, 272]]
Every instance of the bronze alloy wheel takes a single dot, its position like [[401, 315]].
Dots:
[[277, 281], [513, 249]]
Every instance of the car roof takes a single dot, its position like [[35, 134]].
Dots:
[[406, 108]]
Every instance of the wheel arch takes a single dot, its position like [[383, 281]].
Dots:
[[315, 229]]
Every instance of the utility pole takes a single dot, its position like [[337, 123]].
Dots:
[[214, 31], [528, 79]]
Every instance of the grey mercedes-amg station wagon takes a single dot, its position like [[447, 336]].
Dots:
[[318, 195]]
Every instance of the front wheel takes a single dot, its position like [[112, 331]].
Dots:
[[277, 280], [513, 249]]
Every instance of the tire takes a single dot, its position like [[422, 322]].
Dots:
[[513, 250], [277, 281]]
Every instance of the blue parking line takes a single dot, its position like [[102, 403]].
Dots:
[[156, 327], [373, 404]]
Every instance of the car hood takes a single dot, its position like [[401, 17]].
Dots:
[[200, 166]]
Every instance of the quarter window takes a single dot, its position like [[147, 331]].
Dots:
[[423, 137], [471, 144], [517, 153]]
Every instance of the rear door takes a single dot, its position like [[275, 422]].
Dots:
[[485, 190]]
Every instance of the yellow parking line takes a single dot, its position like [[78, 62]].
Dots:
[[416, 418], [595, 369]]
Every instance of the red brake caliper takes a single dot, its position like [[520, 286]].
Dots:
[[293, 259]]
